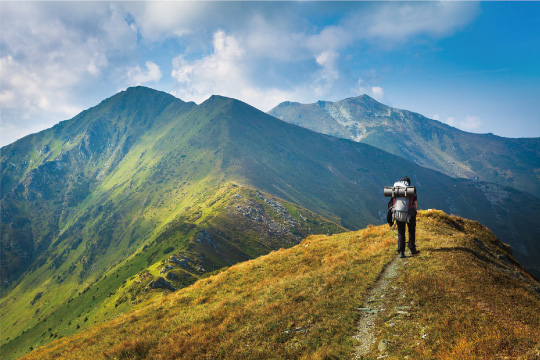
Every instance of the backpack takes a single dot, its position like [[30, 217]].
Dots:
[[402, 204]]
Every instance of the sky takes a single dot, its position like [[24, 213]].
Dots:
[[472, 65]]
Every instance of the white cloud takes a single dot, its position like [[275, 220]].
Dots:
[[219, 72], [468, 124], [328, 72], [31, 89], [471, 122], [377, 92], [284, 42], [97, 62], [159, 20], [264, 54], [138, 76], [54, 56], [402, 21], [231, 70], [327, 60], [282, 31], [360, 87], [225, 71], [334, 37], [392, 22]]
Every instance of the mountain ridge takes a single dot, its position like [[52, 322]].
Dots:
[[427, 142], [87, 219], [237, 138], [91, 143], [306, 301]]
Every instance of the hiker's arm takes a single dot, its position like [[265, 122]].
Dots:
[[415, 204]]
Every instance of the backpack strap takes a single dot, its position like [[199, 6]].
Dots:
[[413, 199]]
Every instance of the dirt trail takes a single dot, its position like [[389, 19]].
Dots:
[[375, 303]]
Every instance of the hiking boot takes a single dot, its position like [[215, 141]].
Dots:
[[401, 255], [414, 252]]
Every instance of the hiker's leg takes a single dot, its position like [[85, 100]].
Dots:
[[412, 233], [401, 236]]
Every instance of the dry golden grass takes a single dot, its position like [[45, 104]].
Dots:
[[469, 302], [295, 303]]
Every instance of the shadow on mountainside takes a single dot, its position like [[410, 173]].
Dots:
[[489, 259]]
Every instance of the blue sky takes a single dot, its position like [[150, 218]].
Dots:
[[473, 65]]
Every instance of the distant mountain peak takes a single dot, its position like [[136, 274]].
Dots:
[[138, 88], [145, 91], [365, 101], [363, 97], [226, 104], [224, 99], [218, 99], [427, 142]]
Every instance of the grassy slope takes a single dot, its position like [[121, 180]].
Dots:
[[334, 176], [166, 183], [52, 179], [469, 301], [242, 223], [69, 267]]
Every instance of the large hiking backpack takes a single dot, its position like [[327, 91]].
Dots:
[[401, 194]]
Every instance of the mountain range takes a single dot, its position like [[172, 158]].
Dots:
[[426, 142], [145, 191]]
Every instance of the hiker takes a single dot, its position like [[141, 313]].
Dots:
[[404, 218]]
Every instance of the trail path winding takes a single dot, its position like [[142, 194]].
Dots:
[[375, 303]]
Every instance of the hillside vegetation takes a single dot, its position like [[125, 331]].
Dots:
[[145, 186], [234, 224], [465, 295]]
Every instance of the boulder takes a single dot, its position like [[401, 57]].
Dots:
[[161, 283]]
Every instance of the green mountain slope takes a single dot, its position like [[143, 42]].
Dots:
[[141, 203], [429, 143], [451, 301], [93, 209], [338, 177], [47, 177], [233, 224]]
